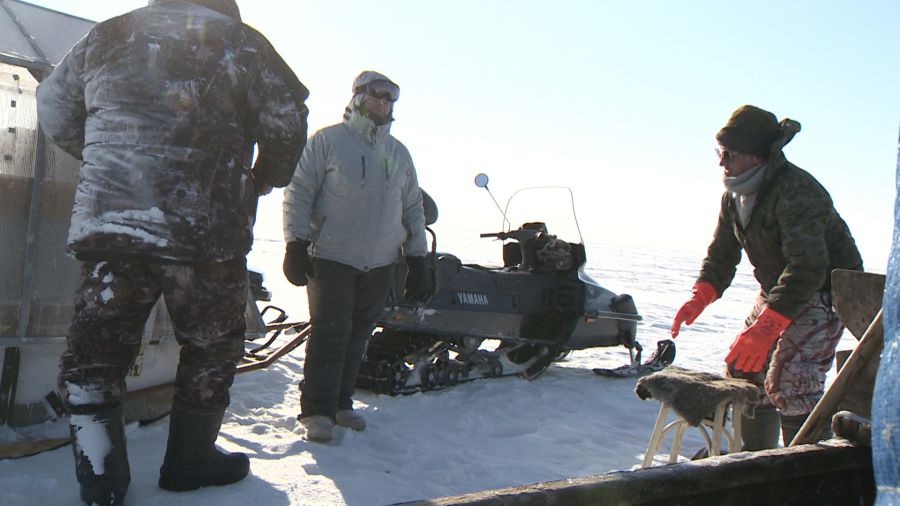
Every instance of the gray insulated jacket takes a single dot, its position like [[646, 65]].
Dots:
[[164, 105], [356, 197]]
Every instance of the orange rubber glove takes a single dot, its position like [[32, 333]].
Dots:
[[750, 349], [703, 295]]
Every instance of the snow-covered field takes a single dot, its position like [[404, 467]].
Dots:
[[480, 435]]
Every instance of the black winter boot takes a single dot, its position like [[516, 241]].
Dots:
[[101, 456], [790, 426], [761, 431], [192, 459]]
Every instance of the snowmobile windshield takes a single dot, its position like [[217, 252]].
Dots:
[[552, 206]]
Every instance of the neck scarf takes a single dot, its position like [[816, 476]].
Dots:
[[744, 189]]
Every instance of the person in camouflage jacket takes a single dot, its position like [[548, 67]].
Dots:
[[786, 223], [165, 105]]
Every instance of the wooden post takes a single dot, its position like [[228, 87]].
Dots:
[[9, 380]]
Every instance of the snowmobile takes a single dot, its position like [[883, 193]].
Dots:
[[486, 322]]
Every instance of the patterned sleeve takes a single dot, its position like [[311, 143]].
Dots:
[[724, 253], [279, 118], [60, 102]]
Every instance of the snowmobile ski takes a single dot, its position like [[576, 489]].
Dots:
[[661, 358], [399, 362]]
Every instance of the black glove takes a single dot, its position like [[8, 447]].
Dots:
[[418, 280], [297, 265]]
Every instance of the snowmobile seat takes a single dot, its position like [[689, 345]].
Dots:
[[449, 261], [431, 210], [699, 400]]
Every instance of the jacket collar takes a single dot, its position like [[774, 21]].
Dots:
[[366, 128]]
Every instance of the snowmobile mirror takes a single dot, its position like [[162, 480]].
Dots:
[[481, 181]]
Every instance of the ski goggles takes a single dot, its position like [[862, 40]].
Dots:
[[725, 155], [382, 90]]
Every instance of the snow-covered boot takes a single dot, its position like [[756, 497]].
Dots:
[[101, 456], [761, 431], [351, 419], [192, 459], [319, 428]]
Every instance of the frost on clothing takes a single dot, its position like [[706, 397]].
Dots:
[[356, 197], [92, 440], [165, 124]]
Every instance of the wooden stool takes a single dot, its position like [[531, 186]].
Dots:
[[679, 425], [701, 400]]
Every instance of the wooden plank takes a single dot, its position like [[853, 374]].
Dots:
[[832, 473], [857, 298], [28, 448]]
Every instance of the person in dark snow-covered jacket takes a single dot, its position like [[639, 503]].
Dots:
[[353, 204], [164, 106], [787, 224]]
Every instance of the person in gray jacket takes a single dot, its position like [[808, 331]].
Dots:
[[164, 105], [354, 203]]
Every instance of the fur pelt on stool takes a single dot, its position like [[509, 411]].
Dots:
[[695, 395]]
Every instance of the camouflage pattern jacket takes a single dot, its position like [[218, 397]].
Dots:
[[794, 237], [164, 105], [356, 196]]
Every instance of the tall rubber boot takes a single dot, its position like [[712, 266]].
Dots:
[[790, 426], [192, 459], [101, 456], [761, 431]]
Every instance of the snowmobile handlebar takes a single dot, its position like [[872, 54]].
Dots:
[[521, 234]]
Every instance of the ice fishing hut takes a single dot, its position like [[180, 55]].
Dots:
[[37, 277]]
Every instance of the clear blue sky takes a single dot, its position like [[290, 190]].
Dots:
[[619, 100]]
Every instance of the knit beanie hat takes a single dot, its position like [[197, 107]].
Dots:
[[749, 130]]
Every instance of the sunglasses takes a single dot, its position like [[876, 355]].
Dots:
[[383, 90], [726, 155]]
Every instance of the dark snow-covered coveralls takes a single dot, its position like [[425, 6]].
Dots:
[[164, 105]]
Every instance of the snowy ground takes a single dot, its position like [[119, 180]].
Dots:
[[480, 435]]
